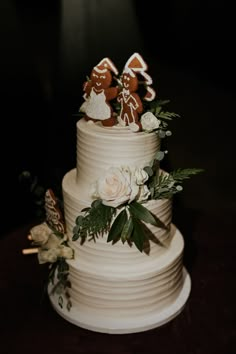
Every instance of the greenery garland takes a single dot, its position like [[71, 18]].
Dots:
[[127, 222]]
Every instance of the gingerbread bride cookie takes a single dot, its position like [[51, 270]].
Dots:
[[131, 103], [99, 92]]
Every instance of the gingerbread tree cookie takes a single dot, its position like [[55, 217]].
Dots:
[[130, 100], [99, 93]]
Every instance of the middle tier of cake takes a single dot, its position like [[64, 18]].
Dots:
[[73, 204]]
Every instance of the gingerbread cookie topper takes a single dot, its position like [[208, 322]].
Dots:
[[131, 103], [54, 217], [99, 93]]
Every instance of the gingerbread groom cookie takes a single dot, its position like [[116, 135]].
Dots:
[[99, 92], [131, 103]]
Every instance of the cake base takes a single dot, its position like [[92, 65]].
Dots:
[[93, 321], [132, 325]]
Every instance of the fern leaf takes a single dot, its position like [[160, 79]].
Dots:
[[96, 221]]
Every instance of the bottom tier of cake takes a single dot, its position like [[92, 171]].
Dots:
[[133, 300]]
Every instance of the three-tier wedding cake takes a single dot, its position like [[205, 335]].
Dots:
[[114, 251]]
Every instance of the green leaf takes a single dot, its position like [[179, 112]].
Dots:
[[159, 223], [117, 226], [162, 134], [76, 229], [184, 173], [151, 189], [60, 301], [160, 155], [52, 271], [169, 184], [149, 170], [85, 210], [96, 203], [62, 265], [127, 230], [142, 213], [163, 102], [157, 110], [69, 305], [75, 237], [79, 220], [95, 221], [138, 234], [167, 115]]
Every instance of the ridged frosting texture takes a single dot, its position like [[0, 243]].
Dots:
[[73, 206], [113, 296], [99, 148], [110, 284], [115, 282]]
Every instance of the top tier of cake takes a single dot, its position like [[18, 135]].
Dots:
[[99, 148]]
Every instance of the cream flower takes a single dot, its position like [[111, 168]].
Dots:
[[53, 248], [144, 193], [40, 233], [117, 187], [53, 242], [149, 122], [49, 255], [66, 252], [140, 176]]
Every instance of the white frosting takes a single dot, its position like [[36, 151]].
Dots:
[[113, 284], [115, 295], [99, 148], [73, 206], [115, 287]]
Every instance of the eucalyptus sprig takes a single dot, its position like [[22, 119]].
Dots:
[[60, 270]]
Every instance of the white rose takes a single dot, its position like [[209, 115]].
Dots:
[[143, 193], [141, 176], [40, 233], [116, 187], [49, 255], [149, 121]]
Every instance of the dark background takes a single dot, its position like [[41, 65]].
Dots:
[[48, 48]]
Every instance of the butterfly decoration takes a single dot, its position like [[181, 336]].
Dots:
[[54, 216]]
